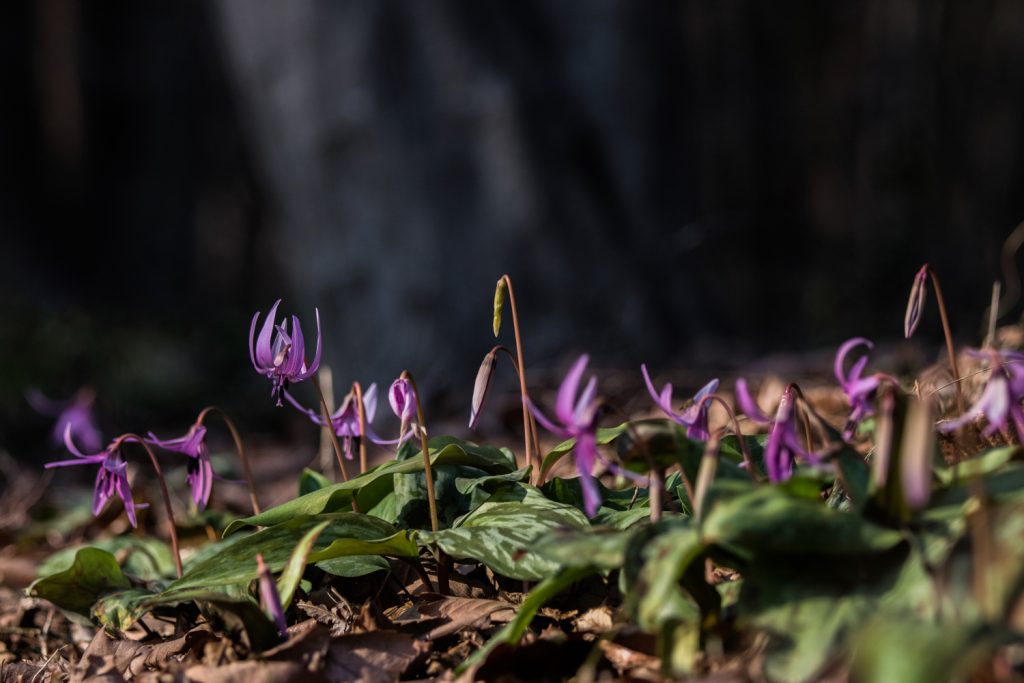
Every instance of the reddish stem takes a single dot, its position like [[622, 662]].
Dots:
[[171, 526], [239, 448]]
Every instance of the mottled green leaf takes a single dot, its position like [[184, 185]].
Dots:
[[93, 572]]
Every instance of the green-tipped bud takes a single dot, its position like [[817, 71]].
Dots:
[[917, 453], [499, 303]]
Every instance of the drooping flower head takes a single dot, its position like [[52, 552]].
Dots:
[[269, 596], [200, 470], [345, 420], [76, 413], [576, 416], [111, 479], [859, 390], [915, 305], [784, 444], [694, 417], [279, 353], [1000, 401], [402, 398]]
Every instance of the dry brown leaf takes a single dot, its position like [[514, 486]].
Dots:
[[456, 613], [375, 657], [253, 672], [594, 620], [106, 655]]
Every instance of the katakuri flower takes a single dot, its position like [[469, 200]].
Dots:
[[915, 304], [859, 390], [280, 354], [1000, 401], [76, 413], [694, 417], [345, 420], [403, 401], [111, 479], [576, 414], [783, 445], [200, 471]]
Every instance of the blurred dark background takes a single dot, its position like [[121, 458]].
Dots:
[[683, 183]]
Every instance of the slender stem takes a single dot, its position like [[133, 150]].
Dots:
[[358, 389], [325, 450], [655, 475], [950, 349], [421, 427], [532, 431], [330, 427], [239, 448], [421, 422], [171, 526], [751, 469], [521, 367]]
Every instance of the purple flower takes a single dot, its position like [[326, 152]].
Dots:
[[200, 471], [76, 413], [694, 417], [281, 355], [345, 420], [859, 390], [577, 419], [403, 401], [915, 305], [270, 598], [112, 476], [783, 442], [1001, 399]]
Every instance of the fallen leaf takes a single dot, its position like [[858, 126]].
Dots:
[[253, 672], [106, 655], [456, 613], [375, 657]]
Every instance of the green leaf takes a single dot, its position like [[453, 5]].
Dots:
[[292, 574], [347, 533], [603, 549], [92, 573], [920, 652], [500, 532], [145, 558], [121, 609], [513, 631], [370, 488], [310, 481], [354, 566], [605, 436], [767, 520]]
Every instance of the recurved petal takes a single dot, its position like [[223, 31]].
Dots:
[[747, 403], [565, 405], [370, 402], [844, 350], [264, 353]]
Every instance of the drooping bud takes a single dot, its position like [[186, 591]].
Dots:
[[500, 291], [482, 384], [270, 598], [915, 306], [403, 401]]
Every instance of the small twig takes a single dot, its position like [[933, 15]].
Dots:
[[239, 448], [171, 526], [46, 665]]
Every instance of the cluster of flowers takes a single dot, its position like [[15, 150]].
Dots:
[[278, 353]]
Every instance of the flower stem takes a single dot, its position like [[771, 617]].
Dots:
[[239, 448], [357, 388], [751, 469], [442, 561], [330, 427], [950, 349], [421, 427], [521, 368], [171, 526]]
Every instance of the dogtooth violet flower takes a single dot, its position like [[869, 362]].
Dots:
[[345, 420], [200, 471], [402, 398], [1000, 401], [694, 417], [279, 353], [783, 443], [111, 479], [859, 390], [76, 413], [576, 418]]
